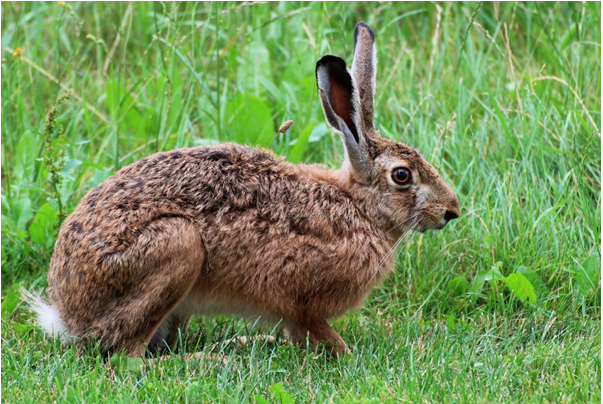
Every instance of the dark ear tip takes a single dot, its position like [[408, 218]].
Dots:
[[330, 60], [362, 25]]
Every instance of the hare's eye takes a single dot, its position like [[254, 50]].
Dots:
[[401, 176]]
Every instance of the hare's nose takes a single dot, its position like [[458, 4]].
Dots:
[[450, 215]]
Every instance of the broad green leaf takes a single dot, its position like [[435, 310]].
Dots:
[[71, 164], [520, 286], [588, 274], [477, 284], [256, 63], [54, 203], [318, 132], [249, 121], [297, 151], [519, 358], [8, 223], [42, 230], [24, 159], [451, 322], [99, 176], [21, 213], [539, 286], [494, 273], [280, 395], [5, 204], [458, 285], [12, 299], [270, 87], [527, 360], [260, 400], [22, 329]]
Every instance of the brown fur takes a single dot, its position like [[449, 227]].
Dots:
[[233, 230]]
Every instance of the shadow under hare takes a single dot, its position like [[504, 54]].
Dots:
[[233, 230]]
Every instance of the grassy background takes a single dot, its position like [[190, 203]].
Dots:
[[504, 99]]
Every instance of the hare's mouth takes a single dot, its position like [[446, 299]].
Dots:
[[439, 225], [431, 223], [435, 219], [422, 228]]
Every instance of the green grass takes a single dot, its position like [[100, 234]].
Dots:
[[504, 99]]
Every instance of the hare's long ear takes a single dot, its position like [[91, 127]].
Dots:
[[364, 70], [341, 106]]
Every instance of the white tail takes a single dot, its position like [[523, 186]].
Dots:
[[49, 318]]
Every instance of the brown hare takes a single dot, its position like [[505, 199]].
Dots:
[[233, 230]]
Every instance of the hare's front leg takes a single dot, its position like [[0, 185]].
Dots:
[[171, 256], [319, 331]]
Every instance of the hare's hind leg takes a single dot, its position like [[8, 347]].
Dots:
[[170, 257], [167, 334], [319, 331]]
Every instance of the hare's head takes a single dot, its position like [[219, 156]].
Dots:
[[405, 191]]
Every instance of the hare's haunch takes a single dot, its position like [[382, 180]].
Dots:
[[233, 230]]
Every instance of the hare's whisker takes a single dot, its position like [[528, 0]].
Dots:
[[395, 246], [400, 224]]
